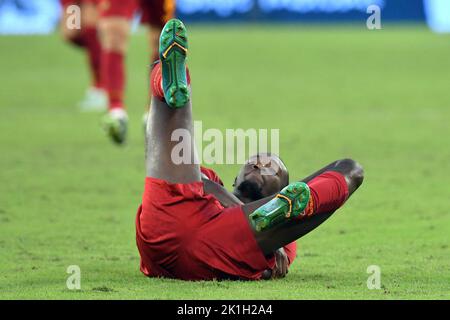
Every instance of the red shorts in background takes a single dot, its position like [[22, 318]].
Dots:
[[154, 12], [157, 12], [117, 8]]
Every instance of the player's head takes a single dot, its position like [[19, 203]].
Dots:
[[261, 176]]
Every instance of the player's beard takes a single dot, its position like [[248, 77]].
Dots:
[[250, 190]]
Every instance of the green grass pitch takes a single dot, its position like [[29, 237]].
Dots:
[[69, 197]]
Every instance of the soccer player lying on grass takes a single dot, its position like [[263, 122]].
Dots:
[[86, 38], [115, 24], [190, 227]]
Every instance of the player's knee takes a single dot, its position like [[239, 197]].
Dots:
[[115, 42], [357, 173], [353, 171], [89, 14], [114, 35]]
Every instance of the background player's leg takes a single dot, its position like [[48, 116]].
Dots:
[[71, 35], [272, 239], [171, 153], [153, 39], [89, 20], [87, 39], [115, 31], [95, 98], [155, 14]]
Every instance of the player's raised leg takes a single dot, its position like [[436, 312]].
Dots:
[[171, 153], [95, 98], [115, 27], [279, 220]]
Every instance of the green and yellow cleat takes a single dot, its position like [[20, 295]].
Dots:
[[115, 124], [289, 203], [173, 47]]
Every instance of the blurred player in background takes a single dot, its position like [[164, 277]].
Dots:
[[115, 26], [86, 38]]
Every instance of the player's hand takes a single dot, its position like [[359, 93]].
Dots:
[[281, 266]]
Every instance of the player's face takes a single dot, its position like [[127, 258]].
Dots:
[[261, 176]]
